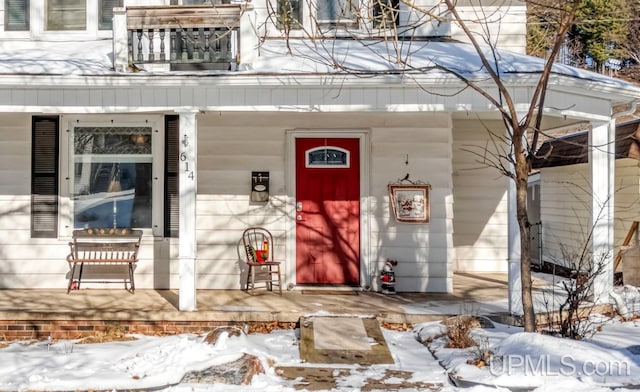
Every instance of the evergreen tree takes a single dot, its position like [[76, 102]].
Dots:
[[603, 30], [601, 26]]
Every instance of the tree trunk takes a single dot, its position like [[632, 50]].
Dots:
[[522, 179]]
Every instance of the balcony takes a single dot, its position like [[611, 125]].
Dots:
[[179, 38]]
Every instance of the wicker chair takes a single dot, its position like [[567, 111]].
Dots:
[[262, 268]]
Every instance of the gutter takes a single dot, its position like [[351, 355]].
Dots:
[[628, 112]]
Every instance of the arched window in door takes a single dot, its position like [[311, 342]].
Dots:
[[327, 157]]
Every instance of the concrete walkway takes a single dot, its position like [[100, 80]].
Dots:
[[470, 290]]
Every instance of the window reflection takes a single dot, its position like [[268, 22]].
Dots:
[[112, 177]]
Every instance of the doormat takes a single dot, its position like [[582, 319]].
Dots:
[[342, 340], [329, 292]]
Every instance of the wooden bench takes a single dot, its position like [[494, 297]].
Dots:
[[104, 247]]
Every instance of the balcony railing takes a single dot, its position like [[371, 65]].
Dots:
[[178, 37]]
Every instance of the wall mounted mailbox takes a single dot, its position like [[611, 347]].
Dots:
[[259, 186]]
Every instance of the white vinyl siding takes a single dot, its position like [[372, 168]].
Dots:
[[506, 25], [627, 197], [480, 208], [424, 251], [566, 207], [230, 147]]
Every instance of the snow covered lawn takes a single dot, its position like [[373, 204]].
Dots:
[[608, 359]]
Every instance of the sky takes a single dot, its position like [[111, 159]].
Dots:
[[608, 358]]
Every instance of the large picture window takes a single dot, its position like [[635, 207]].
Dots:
[[112, 177]]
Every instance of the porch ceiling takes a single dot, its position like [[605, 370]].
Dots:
[[574, 148]]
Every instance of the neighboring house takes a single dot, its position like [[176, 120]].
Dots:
[[565, 191], [186, 105]]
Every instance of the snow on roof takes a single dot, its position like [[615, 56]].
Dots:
[[94, 58], [26, 57], [421, 56]]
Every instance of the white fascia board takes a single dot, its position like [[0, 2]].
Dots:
[[453, 94], [623, 91]]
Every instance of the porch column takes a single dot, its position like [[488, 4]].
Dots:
[[248, 35], [120, 40], [514, 262], [602, 165], [513, 242], [187, 185]]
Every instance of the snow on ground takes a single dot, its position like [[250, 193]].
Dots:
[[605, 360], [534, 361], [151, 362]]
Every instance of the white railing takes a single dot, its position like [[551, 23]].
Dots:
[[182, 38]]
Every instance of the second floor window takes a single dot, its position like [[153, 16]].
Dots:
[[64, 15], [336, 12], [105, 21], [289, 14], [60, 15]]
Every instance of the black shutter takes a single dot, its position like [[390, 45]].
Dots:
[[106, 13], [44, 177], [171, 191], [16, 15]]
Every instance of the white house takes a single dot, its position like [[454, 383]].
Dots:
[[186, 104]]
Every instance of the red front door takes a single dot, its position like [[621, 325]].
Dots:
[[327, 211]]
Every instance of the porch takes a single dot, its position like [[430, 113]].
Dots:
[[38, 314]]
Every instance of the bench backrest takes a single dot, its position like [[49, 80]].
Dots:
[[106, 244]]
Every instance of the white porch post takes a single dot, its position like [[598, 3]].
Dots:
[[514, 273], [513, 243], [602, 165], [187, 184], [120, 46]]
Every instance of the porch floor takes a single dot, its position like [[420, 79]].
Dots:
[[472, 293]]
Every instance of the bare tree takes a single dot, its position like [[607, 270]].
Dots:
[[519, 142], [517, 127]]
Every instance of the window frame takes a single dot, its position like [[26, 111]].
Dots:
[[66, 187]]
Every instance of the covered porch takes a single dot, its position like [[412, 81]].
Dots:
[[39, 314]]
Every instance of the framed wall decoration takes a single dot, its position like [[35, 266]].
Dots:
[[410, 203]]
